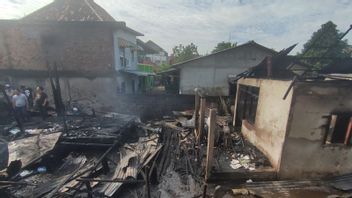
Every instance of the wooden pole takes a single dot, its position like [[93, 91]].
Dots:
[[204, 194], [89, 189], [210, 147], [201, 120], [196, 112], [196, 121], [147, 181]]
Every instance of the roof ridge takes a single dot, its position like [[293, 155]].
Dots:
[[77, 10], [251, 42], [94, 11]]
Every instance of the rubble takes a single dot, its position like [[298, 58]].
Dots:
[[49, 161], [113, 155]]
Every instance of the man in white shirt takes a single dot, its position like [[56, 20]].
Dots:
[[20, 105]]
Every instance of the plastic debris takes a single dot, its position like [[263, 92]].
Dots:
[[14, 131]]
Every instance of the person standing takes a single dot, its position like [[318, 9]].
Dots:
[[20, 105], [41, 102], [9, 91]]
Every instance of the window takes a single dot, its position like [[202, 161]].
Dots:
[[123, 59], [133, 86], [123, 87], [339, 129], [132, 55], [247, 103]]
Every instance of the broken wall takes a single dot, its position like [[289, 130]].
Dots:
[[305, 153], [268, 131]]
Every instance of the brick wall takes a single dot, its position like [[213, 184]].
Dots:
[[74, 46]]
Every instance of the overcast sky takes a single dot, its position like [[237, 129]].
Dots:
[[273, 23]]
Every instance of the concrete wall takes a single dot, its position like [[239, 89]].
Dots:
[[305, 154], [211, 72], [268, 131], [74, 46]]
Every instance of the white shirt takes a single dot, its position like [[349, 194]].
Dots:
[[20, 100]]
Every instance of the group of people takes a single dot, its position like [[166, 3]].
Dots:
[[23, 99]]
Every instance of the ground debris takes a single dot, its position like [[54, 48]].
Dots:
[[94, 157]]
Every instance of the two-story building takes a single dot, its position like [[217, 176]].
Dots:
[[151, 53], [96, 55]]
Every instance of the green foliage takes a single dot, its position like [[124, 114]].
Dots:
[[164, 67], [223, 45], [325, 43], [182, 53]]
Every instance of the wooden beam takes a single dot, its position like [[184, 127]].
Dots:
[[85, 144], [348, 133], [125, 181], [210, 147], [331, 129], [16, 183]]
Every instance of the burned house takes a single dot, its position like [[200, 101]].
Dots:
[[211, 72], [301, 122], [95, 54]]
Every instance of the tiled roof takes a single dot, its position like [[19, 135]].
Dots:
[[70, 10], [154, 46]]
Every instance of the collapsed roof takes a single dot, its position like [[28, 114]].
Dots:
[[283, 66]]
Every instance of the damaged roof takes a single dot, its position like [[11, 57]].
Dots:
[[279, 66], [340, 66], [283, 66], [70, 10]]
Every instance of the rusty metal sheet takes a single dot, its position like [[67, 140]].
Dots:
[[31, 148]]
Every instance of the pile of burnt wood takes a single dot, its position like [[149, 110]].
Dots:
[[82, 156]]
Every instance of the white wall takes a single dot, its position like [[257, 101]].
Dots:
[[157, 58], [305, 155], [269, 129], [211, 73], [132, 62]]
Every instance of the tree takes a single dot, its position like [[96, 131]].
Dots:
[[164, 67], [182, 53], [223, 45], [323, 44]]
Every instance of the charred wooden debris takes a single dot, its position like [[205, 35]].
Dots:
[[115, 154], [93, 157]]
